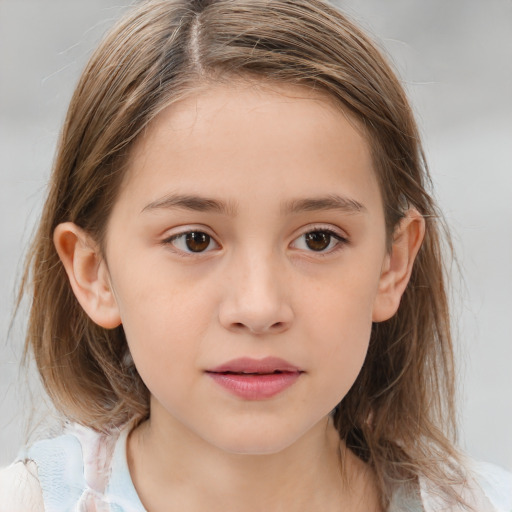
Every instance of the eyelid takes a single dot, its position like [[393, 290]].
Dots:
[[335, 230], [341, 237], [167, 241]]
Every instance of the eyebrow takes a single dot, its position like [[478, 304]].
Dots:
[[192, 203], [327, 203], [205, 204]]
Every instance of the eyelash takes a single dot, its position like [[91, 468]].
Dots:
[[187, 253], [340, 241]]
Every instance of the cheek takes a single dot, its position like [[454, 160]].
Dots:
[[340, 321], [345, 347], [164, 322]]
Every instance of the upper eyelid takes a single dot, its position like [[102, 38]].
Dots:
[[175, 236], [184, 230], [340, 237], [326, 230], [299, 232], [335, 230]]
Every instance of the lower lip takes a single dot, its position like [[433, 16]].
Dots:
[[255, 387]]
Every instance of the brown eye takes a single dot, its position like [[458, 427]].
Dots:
[[192, 242], [197, 241], [318, 240], [321, 241]]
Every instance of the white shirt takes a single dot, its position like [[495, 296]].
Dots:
[[83, 471]]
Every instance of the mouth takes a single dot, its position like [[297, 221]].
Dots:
[[275, 372], [249, 366], [253, 379]]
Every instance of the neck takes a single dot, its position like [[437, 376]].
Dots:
[[314, 473]]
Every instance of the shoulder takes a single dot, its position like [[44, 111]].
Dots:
[[495, 483], [49, 472], [487, 488], [20, 488], [60, 473]]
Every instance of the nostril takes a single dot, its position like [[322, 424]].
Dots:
[[255, 319], [277, 326]]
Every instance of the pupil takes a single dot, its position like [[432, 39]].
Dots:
[[197, 241], [318, 240]]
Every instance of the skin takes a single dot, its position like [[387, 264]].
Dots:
[[256, 290]]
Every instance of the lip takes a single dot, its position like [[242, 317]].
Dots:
[[250, 365], [255, 379]]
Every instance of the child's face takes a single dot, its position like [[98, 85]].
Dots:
[[248, 173]]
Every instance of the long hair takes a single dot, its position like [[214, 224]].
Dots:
[[399, 414]]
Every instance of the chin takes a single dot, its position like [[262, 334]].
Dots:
[[267, 440]]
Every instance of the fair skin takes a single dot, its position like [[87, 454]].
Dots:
[[287, 259]]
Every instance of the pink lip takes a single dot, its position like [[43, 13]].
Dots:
[[255, 379]]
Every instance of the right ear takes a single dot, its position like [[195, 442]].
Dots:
[[88, 274]]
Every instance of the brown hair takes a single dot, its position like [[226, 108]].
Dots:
[[399, 414]]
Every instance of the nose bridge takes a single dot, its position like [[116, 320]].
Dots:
[[256, 299], [258, 271]]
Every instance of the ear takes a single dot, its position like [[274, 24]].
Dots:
[[88, 274], [397, 268]]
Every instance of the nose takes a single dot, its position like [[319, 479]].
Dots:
[[256, 298]]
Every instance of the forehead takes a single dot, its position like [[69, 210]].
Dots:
[[262, 136], [250, 101]]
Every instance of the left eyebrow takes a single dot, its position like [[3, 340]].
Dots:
[[331, 202]]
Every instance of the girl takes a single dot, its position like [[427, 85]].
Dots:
[[238, 298]]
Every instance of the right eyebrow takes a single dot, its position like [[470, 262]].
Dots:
[[193, 203]]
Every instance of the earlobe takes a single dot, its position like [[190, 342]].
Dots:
[[397, 268], [88, 274]]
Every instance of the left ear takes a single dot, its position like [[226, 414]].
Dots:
[[397, 268]]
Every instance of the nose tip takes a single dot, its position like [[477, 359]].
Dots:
[[256, 307]]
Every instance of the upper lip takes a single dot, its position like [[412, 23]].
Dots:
[[250, 365]]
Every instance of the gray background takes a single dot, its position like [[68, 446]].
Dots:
[[455, 58]]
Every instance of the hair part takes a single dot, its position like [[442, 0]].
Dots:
[[399, 414]]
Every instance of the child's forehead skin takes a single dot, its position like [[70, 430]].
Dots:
[[210, 137]]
